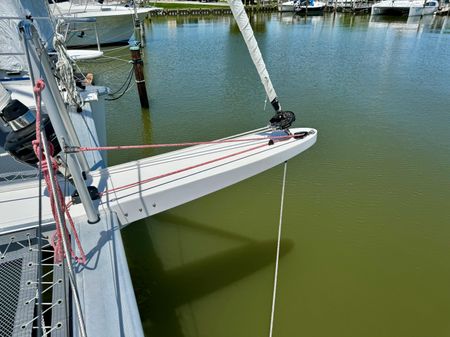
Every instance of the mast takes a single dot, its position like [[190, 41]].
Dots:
[[282, 119], [39, 67]]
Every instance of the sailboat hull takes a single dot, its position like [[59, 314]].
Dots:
[[175, 178], [113, 24], [138, 189], [111, 29]]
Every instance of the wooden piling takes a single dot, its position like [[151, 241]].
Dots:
[[138, 66]]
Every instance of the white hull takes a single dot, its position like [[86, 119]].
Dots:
[[173, 188], [417, 11], [114, 24], [317, 8], [406, 8], [287, 6]]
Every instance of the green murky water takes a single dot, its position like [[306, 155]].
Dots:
[[366, 236]]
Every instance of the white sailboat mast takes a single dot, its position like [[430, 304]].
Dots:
[[243, 22]]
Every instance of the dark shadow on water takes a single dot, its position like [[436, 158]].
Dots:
[[389, 18], [160, 292], [201, 228]]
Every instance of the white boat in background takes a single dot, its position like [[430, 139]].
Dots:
[[90, 23], [430, 7], [304, 6], [287, 6], [354, 6], [300, 5], [405, 7], [309, 7]]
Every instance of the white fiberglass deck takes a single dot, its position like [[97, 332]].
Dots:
[[104, 283], [164, 181], [161, 182]]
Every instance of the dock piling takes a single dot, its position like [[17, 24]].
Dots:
[[138, 66]]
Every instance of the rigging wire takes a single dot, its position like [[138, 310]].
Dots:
[[108, 59], [170, 173], [184, 169], [63, 265], [109, 50], [275, 278], [60, 218], [71, 149], [39, 235], [38, 152]]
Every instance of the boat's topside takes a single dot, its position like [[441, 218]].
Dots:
[[66, 9], [109, 310], [397, 4], [104, 283], [145, 187], [19, 183], [141, 188]]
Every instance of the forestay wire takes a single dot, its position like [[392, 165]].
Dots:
[[272, 314]]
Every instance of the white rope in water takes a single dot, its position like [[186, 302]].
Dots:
[[272, 315]]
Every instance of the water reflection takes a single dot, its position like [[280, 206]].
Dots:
[[258, 22], [184, 20], [292, 18], [161, 291], [411, 23], [146, 131], [440, 25], [427, 23], [375, 185]]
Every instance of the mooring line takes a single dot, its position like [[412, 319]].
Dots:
[[275, 279]]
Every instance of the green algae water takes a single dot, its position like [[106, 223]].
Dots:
[[366, 231]]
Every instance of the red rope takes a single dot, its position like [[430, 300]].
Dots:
[[147, 146], [141, 182], [56, 240]]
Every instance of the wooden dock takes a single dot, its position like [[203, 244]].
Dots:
[[212, 11]]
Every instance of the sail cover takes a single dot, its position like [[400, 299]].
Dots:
[[243, 22], [12, 56]]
